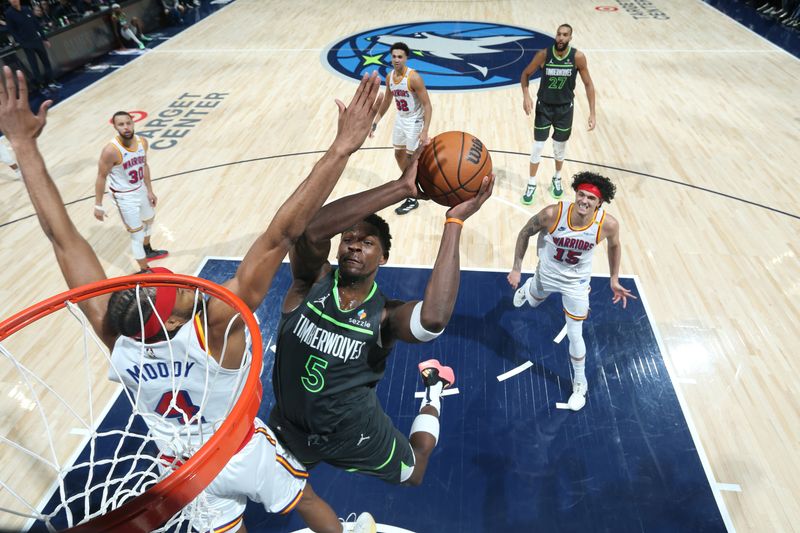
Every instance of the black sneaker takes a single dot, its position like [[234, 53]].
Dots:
[[152, 255], [409, 205]]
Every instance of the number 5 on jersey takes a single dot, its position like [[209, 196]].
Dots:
[[314, 381]]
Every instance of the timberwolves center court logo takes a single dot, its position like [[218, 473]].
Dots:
[[450, 55]]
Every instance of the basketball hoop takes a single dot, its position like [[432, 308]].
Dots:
[[147, 504]]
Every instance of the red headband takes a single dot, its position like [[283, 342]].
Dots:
[[588, 187], [164, 303]]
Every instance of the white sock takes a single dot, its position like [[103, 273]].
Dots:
[[557, 177], [433, 397], [579, 367], [532, 181]]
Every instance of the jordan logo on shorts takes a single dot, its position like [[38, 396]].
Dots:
[[362, 439]]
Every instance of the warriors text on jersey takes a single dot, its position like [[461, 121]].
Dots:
[[177, 383], [129, 174], [328, 361], [406, 100], [565, 252], [558, 78]]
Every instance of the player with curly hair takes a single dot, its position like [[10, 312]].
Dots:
[[568, 234]]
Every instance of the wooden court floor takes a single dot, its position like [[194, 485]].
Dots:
[[696, 116]]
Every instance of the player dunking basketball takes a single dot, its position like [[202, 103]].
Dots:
[[414, 111], [262, 470], [560, 65], [338, 329], [568, 234], [124, 162]]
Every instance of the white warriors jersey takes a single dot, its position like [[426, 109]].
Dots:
[[129, 174], [565, 252], [178, 384], [406, 100]]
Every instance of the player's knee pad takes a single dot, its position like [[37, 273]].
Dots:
[[577, 348], [536, 152], [137, 244], [559, 150]]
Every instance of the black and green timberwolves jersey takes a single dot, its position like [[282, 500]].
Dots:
[[328, 361], [558, 78]]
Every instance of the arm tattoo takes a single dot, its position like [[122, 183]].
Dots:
[[529, 230]]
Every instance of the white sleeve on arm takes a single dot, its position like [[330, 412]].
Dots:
[[417, 329]]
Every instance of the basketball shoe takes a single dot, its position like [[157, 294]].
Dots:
[[364, 523], [432, 372], [406, 207], [527, 198], [578, 397], [555, 188], [522, 295], [152, 255]]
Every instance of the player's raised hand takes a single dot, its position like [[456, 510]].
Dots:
[[466, 209], [355, 119], [16, 119], [514, 278], [621, 293]]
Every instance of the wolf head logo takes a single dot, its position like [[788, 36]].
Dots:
[[450, 56]]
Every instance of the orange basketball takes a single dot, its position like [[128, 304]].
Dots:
[[452, 167]]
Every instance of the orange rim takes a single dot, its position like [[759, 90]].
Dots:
[[155, 506]]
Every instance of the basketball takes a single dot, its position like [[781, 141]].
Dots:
[[452, 167]]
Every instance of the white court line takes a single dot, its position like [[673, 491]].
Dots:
[[687, 415], [599, 50], [137, 58], [445, 392], [561, 335], [382, 528], [729, 487], [680, 50], [775, 46], [231, 50], [561, 405], [79, 431], [521, 368]]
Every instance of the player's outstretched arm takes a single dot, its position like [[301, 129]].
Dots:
[[535, 64], [77, 260], [255, 273], [424, 321], [611, 228], [541, 220], [583, 70]]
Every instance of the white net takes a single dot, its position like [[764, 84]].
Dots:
[[75, 444]]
